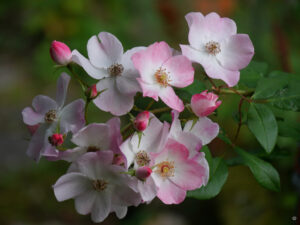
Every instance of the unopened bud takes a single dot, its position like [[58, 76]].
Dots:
[[56, 139], [141, 121], [143, 173], [60, 53], [119, 160], [92, 92], [204, 104]]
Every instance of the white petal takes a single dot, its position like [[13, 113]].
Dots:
[[62, 88], [127, 62], [128, 85], [147, 189], [94, 72], [30, 117], [85, 202], [71, 185], [101, 207], [112, 100], [42, 104]]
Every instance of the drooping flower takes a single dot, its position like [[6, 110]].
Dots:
[[98, 186], [142, 120], [215, 44], [137, 152], [160, 70], [175, 172], [108, 63], [204, 104], [60, 53], [96, 137], [49, 115]]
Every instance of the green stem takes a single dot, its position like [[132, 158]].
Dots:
[[159, 110], [81, 82], [86, 110]]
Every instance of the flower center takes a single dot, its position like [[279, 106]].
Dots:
[[212, 47], [142, 158], [50, 116], [115, 69], [165, 169], [162, 77], [92, 149], [99, 185]]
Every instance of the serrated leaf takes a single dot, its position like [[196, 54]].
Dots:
[[218, 177], [281, 90], [265, 174], [262, 123]]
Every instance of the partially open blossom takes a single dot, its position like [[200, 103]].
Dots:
[[56, 139], [143, 172], [108, 63], [204, 104], [60, 53], [98, 186], [92, 92], [215, 44], [47, 114], [160, 70], [141, 121]]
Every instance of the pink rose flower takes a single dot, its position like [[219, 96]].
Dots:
[[60, 53], [160, 70], [215, 44], [204, 104]]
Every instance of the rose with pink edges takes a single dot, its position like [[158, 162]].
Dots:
[[215, 44], [204, 104], [114, 69], [160, 70], [175, 172]]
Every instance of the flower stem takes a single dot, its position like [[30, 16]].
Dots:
[[159, 110], [81, 82], [86, 109]]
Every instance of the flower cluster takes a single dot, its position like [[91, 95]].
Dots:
[[109, 170]]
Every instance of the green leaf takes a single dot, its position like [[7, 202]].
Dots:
[[262, 123], [288, 129], [218, 177], [281, 90], [186, 93], [252, 73], [265, 174]]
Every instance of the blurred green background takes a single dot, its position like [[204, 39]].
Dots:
[[27, 29]]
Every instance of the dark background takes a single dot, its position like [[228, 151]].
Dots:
[[26, 70]]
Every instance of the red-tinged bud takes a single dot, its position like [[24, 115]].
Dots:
[[119, 160], [142, 120], [56, 139], [143, 173], [92, 92], [60, 53], [32, 129]]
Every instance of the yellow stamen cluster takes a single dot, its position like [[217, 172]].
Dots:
[[50, 116], [99, 185], [162, 77], [213, 47], [142, 158], [165, 169]]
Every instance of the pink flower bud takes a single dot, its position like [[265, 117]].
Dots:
[[56, 139], [60, 53], [92, 92], [119, 160], [142, 120], [204, 104], [143, 172]]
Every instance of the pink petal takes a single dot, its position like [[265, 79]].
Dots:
[[147, 189], [126, 59], [94, 72], [236, 52], [95, 134], [62, 88], [149, 90], [72, 116], [216, 71], [180, 70], [115, 136], [105, 53], [193, 54], [71, 185], [169, 97], [112, 100], [42, 104], [205, 129], [169, 193], [194, 17]]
